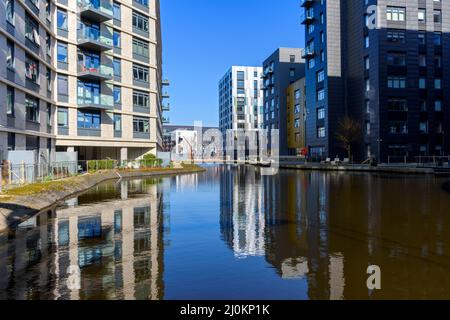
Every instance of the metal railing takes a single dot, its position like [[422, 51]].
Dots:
[[12, 175]]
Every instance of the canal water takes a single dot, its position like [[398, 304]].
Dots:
[[230, 233]]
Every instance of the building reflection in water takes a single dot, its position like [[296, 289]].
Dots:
[[113, 233], [242, 219]]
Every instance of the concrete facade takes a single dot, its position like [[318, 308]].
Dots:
[[281, 69], [92, 69]]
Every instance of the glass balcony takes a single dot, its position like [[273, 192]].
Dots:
[[98, 72], [165, 120], [92, 39], [97, 102], [166, 107], [96, 10]]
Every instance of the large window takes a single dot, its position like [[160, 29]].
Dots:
[[140, 47], [63, 117], [117, 93], [143, 2], [397, 104], [116, 39], [62, 82], [9, 54], [396, 82], [117, 122], [396, 59], [31, 69], [140, 73], [396, 36], [88, 92], [62, 52], [32, 108], [141, 99], [89, 119], [141, 125], [395, 14], [116, 11], [10, 101], [117, 67], [32, 30], [61, 19], [10, 11], [140, 22]]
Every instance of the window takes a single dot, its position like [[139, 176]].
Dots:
[[438, 105], [437, 38], [117, 67], [48, 42], [320, 113], [395, 14], [396, 36], [88, 92], [10, 11], [140, 47], [422, 60], [366, 42], [10, 101], [32, 30], [49, 114], [62, 52], [9, 54], [396, 82], [367, 63], [143, 2], [141, 125], [437, 83], [61, 19], [422, 38], [89, 120], [140, 22], [117, 122], [438, 61], [63, 86], [140, 73], [11, 141], [116, 11], [422, 83], [141, 99], [398, 127], [321, 132], [292, 72], [117, 93], [49, 79], [397, 105], [116, 39], [32, 108], [396, 59], [320, 76], [321, 95], [31, 69], [63, 117], [422, 15], [437, 16], [292, 58]]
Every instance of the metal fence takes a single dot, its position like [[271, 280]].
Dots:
[[421, 161], [19, 174]]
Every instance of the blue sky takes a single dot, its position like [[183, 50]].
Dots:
[[203, 38]]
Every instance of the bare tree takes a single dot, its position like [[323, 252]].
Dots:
[[349, 132]]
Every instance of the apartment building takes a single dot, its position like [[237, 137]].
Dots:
[[281, 69], [109, 80], [82, 76], [240, 99], [27, 107], [385, 64], [296, 108]]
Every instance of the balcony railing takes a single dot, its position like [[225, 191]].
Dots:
[[166, 107], [308, 53], [93, 39], [165, 120], [307, 3], [96, 10], [166, 95], [166, 82], [99, 72]]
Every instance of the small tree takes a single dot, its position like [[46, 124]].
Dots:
[[349, 132]]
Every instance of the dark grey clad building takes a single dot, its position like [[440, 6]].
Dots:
[[385, 64], [281, 69]]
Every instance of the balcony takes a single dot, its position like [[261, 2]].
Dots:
[[165, 120], [95, 73], [308, 53], [166, 107], [307, 3], [102, 102], [96, 10], [166, 95], [307, 18], [92, 39], [166, 82]]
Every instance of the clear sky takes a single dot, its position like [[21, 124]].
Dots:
[[202, 39]]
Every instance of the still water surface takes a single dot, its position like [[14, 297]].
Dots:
[[229, 233]]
